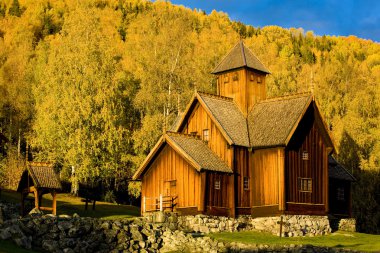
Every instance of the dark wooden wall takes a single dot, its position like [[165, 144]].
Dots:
[[218, 202], [307, 137], [242, 169], [340, 207]]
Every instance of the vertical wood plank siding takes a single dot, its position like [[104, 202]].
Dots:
[[307, 138], [265, 182], [166, 167], [200, 120], [243, 169], [197, 122], [237, 84]]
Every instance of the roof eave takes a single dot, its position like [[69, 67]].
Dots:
[[267, 72], [148, 159], [296, 124], [217, 123]]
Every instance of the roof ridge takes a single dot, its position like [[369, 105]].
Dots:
[[257, 58], [40, 164], [190, 136], [215, 96], [284, 97], [243, 52]]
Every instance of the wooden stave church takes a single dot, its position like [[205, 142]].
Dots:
[[235, 153]]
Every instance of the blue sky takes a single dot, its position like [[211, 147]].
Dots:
[[324, 17]]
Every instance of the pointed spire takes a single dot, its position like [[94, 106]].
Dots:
[[240, 56]]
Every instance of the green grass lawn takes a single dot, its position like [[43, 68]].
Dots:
[[346, 240], [67, 204]]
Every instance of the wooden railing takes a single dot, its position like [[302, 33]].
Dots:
[[161, 203]]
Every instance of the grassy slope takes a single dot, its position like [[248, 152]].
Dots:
[[355, 241], [67, 204]]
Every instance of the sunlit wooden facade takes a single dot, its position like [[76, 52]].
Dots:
[[269, 156]]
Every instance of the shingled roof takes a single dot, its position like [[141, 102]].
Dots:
[[337, 171], [42, 175], [199, 151], [228, 115], [192, 149], [240, 56], [271, 121]]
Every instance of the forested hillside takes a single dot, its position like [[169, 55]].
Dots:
[[92, 84]]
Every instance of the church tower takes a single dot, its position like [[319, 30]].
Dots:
[[241, 76]]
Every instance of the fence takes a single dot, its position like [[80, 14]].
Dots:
[[162, 203]]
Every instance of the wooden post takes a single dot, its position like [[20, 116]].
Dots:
[[161, 203], [93, 204], [144, 204], [281, 223], [36, 203], [54, 194]]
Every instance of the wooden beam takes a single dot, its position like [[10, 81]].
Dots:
[[54, 194], [202, 206], [281, 179], [36, 203]]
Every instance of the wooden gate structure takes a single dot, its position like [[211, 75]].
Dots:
[[39, 178]]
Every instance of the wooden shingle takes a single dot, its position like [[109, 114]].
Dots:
[[240, 56], [271, 121], [228, 115], [42, 175]]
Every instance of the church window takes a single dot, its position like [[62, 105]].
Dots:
[[305, 155], [206, 136], [340, 194], [246, 183], [235, 77], [252, 77], [305, 184], [226, 79], [217, 184], [259, 79]]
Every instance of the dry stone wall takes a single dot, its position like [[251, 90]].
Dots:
[[292, 225], [64, 234]]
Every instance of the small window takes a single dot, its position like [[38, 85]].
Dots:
[[340, 194], [226, 79], [217, 184], [259, 79], [305, 184], [252, 77], [305, 155], [235, 77], [173, 183], [206, 136], [246, 183]]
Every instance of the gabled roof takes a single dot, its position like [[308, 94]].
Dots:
[[225, 114], [192, 149], [337, 171], [43, 176], [272, 121], [240, 56]]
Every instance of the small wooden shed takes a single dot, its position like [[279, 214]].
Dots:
[[340, 192], [39, 178]]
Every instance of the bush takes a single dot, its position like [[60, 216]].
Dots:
[[110, 197], [366, 201]]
